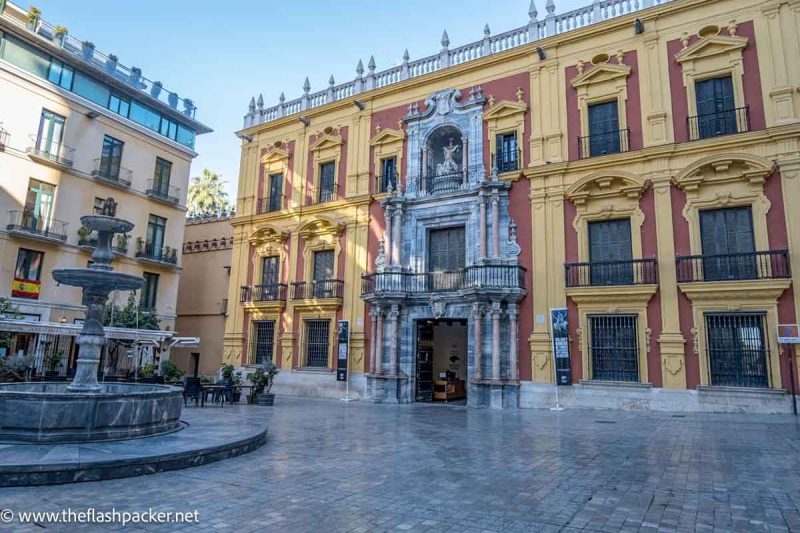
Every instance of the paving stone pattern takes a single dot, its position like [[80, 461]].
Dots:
[[358, 467]]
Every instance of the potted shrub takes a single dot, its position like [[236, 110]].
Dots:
[[83, 234], [87, 49], [173, 99], [34, 17], [188, 107], [111, 63], [121, 243], [147, 373], [155, 89], [60, 34], [262, 380], [139, 246], [170, 372], [135, 77]]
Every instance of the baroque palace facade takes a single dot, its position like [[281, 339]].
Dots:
[[605, 191]]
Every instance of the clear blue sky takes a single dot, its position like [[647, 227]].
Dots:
[[221, 53]]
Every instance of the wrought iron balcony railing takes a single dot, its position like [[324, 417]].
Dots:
[[325, 288], [382, 182], [470, 278], [162, 255], [51, 150], [318, 195], [27, 221], [773, 264], [263, 293], [436, 184], [269, 204], [112, 173], [597, 144], [4, 135], [610, 273], [507, 160], [163, 192], [719, 123]]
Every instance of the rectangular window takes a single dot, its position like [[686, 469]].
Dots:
[[446, 258], [186, 137], [37, 215], [728, 244], [97, 208], [156, 228], [324, 286], [737, 349], [275, 192], [51, 133], [327, 178], [145, 116], [27, 274], [614, 347], [61, 74], [610, 252], [120, 105], [263, 343], [716, 109], [317, 341], [24, 56], [388, 174], [149, 291], [91, 90], [604, 133], [110, 158], [168, 128], [506, 157], [161, 176], [269, 271]]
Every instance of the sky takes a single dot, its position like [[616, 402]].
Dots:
[[221, 54]]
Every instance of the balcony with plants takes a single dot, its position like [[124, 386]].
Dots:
[[29, 224], [87, 239], [149, 253]]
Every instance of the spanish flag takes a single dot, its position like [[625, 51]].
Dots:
[[26, 288]]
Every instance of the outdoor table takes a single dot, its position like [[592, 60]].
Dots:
[[206, 388]]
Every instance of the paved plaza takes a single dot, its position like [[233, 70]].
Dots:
[[331, 466]]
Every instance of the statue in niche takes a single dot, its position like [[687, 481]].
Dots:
[[449, 165], [380, 260]]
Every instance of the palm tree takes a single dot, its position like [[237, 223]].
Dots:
[[206, 194]]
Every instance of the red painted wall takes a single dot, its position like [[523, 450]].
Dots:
[[519, 209], [388, 120], [751, 82], [506, 89], [571, 256], [650, 250]]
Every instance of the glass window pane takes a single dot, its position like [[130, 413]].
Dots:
[[186, 137], [91, 90], [25, 57], [145, 116]]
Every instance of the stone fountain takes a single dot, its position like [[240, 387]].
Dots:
[[86, 410]]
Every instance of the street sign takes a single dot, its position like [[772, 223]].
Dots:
[[559, 332], [788, 333], [343, 342]]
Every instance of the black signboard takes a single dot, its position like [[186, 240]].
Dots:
[[343, 342], [560, 334]]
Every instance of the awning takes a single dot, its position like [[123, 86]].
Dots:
[[155, 336]]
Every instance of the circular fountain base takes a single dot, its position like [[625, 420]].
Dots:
[[49, 413]]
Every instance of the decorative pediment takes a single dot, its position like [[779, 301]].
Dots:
[[387, 136], [321, 228], [268, 234], [505, 108], [601, 72], [725, 168], [275, 154], [604, 185], [326, 141], [712, 45]]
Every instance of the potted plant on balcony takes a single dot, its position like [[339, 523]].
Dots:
[[121, 243], [155, 90], [87, 49], [111, 63], [33, 19], [83, 234], [135, 77], [262, 380], [173, 99], [139, 246], [60, 34], [188, 107]]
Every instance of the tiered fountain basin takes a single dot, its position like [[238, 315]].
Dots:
[[49, 413]]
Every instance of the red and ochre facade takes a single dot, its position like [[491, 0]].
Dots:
[[697, 157]]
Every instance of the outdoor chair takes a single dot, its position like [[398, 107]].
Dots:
[[191, 389]]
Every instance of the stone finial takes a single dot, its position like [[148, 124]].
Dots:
[[282, 98], [486, 31], [733, 27], [378, 127], [551, 8], [252, 106], [331, 81], [360, 68], [445, 39], [520, 93], [620, 57], [532, 12], [406, 56], [306, 86], [260, 102], [371, 64], [580, 66], [491, 101], [685, 40]]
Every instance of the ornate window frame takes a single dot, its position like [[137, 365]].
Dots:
[[261, 316], [712, 56], [605, 82], [268, 241], [326, 149], [387, 143], [320, 234], [321, 314], [506, 116]]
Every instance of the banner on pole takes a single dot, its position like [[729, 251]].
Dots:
[[559, 333], [343, 343]]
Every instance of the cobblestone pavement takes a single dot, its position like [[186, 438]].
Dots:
[[331, 466]]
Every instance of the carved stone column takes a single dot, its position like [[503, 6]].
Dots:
[[394, 338], [495, 340], [397, 227], [495, 225], [373, 360], [379, 342], [513, 370], [482, 224], [388, 213], [477, 340]]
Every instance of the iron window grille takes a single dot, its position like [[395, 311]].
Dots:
[[737, 349], [262, 347], [317, 342], [614, 347]]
